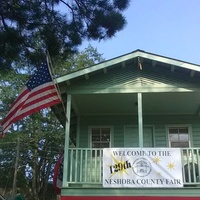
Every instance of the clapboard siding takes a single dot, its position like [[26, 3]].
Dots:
[[158, 123], [131, 76], [160, 136], [84, 137], [118, 140]]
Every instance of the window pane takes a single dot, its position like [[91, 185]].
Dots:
[[174, 144], [105, 134], [179, 137], [105, 137], [173, 130], [184, 137], [100, 137], [96, 131], [95, 134], [95, 145], [180, 144], [95, 137], [104, 145], [173, 137], [183, 130]]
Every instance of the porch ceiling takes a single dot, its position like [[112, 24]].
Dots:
[[153, 103]]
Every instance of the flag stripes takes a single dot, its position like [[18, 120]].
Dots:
[[39, 92]]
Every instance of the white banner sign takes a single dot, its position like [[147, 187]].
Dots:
[[142, 167]]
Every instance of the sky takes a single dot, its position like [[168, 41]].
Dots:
[[168, 28]]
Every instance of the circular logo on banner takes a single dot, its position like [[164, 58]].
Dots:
[[58, 175], [141, 167]]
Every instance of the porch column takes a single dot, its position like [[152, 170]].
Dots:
[[67, 135], [140, 121]]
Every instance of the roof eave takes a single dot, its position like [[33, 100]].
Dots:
[[126, 57]]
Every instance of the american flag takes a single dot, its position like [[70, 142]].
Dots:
[[39, 92]]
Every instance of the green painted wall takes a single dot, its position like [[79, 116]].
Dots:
[[158, 123], [131, 77]]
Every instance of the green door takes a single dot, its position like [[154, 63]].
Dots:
[[131, 137]]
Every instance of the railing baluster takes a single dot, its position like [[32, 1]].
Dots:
[[86, 160], [81, 165], [183, 162], [76, 165], [86, 165], [71, 166], [95, 164], [193, 167], [91, 168], [100, 165], [188, 164]]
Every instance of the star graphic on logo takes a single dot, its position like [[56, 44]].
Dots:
[[119, 167]]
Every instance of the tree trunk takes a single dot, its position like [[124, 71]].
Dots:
[[16, 169], [34, 181], [46, 180]]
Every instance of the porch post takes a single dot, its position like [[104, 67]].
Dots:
[[140, 121], [66, 150]]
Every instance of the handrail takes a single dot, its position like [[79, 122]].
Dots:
[[86, 166]]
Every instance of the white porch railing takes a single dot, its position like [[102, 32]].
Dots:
[[85, 166]]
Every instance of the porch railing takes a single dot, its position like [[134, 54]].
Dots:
[[191, 166], [85, 166]]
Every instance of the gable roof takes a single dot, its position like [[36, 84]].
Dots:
[[123, 74], [135, 55]]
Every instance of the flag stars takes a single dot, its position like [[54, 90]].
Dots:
[[28, 102], [43, 76]]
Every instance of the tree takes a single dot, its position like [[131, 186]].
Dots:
[[41, 142], [7, 154], [30, 28], [86, 58], [41, 135]]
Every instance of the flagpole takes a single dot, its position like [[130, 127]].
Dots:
[[49, 63]]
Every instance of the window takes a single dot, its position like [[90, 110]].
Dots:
[[100, 137], [179, 136]]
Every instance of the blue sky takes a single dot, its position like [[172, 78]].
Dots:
[[165, 27]]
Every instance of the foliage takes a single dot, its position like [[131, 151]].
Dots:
[[7, 155], [86, 58], [30, 28], [41, 142], [41, 135]]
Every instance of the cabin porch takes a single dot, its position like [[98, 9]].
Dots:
[[85, 167]]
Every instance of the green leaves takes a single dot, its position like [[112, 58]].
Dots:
[[30, 28], [86, 58], [41, 134]]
